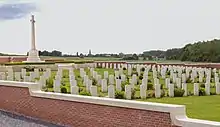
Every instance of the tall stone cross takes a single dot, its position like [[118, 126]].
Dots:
[[33, 45]]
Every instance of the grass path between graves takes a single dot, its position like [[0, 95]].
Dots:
[[199, 107]]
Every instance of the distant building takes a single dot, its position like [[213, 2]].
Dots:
[[90, 53]]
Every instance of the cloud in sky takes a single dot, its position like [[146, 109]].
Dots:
[[108, 25], [10, 11]]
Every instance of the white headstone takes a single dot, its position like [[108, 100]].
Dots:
[[123, 78], [156, 81], [157, 91], [183, 78], [2, 76], [128, 91], [36, 73], [134, 79], [73, 82], [196, 89], [32, 76], [217, 88], [167, 82], [171, 90], [116, 74], [145, 81], [111, 91], [93, 91], [178, 82], [88, 86], [104, 85], [207, 88], [85, 80], [26, 79], [143, 89], [18, 76], [129, 71], [118, 84], [111, 79], [105, 74], [56, 86], [75, 90]]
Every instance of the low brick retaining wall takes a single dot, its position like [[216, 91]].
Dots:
[[77, 113], [85, 111]]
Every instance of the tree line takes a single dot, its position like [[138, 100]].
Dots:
[[205, 51]]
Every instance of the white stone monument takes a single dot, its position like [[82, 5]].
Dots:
[[33, 54]]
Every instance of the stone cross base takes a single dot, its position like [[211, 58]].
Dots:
[[33, 56]]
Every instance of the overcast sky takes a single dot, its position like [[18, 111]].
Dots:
[[110, 26]]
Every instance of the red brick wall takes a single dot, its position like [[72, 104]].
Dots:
[[4, 59], [18, 59], [77, 114], [12, 59]]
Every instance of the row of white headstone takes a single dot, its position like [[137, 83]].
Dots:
[[114, 80], [176, 73], [23, 77], [176, 70]]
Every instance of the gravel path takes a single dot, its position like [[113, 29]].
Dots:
[[11, 120]]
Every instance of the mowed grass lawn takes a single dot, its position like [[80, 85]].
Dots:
[[199, 107]]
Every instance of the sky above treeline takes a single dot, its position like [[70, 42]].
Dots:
[[107, 26]]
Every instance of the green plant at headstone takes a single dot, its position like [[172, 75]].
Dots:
[[212, 92], [178, 92], [212, 85], [94, 82], [134, 73], [151, 94], [202, 85], [212, 75], [81, 89], [119, 77], [202, 92], [168, 72], [141, 77], [138, 82], [119, 94], [123, 86], [171, 80], [142, 69], [85, 93], [63, 90], [161, 86], [49, 83], [190, 93], [150, 86], [101, 94], [163, 93], [188, 80], [63, 83], [137, 88], [133, 92]]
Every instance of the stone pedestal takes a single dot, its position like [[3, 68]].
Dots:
[[33, 56]]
